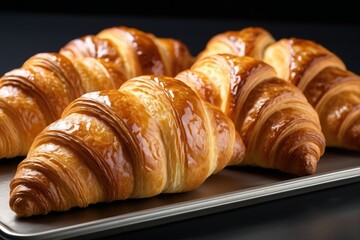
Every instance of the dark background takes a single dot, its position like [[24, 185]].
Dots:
[[289, 11], [45, 26], [42, 26]]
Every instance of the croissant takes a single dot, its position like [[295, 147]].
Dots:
[[329, 87], [154, 135], [35, 95], [280, 129], [138, 52]]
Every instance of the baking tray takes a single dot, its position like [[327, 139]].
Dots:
[[233, 187]]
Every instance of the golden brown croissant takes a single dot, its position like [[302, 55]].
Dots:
[[35, 95], [280, 129], [141, 53], [154, 135], [331, 89], [251, 41]]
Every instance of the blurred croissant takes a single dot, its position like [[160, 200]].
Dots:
[[36, 94], [329, 87], [280, 129], [154, 135]]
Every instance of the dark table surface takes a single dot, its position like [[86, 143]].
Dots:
[[328, 214]]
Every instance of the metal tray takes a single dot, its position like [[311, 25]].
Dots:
[[231, 188]]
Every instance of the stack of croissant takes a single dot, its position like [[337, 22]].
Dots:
[[133, 115]]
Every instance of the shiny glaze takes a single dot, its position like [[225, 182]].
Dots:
[[111, 71], [331, 89], [62, 68], [124, 42], [305, 58], [143, 53], [246, 40], [35, 96], [223, 139], [159, 106], [147, 52], [187, 122], [138, 134], [202, 84], [304, 53], [152, 135], [335, 94], [259, 99], [326, 80], [186, 132], [48, 82], [94, 47], [135, 51], [238, 70], [272, 115], [267, 111], [98, 74], [250, 41], [242, 73], [29, 121], [24, 79]]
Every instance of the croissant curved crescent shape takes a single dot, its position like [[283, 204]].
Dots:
[[331, 89], [34, 95], [154, 135], [280, 129]]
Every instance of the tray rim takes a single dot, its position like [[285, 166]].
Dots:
[[194, 208]]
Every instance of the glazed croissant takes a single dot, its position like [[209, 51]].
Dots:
[[137, 52], [280, 129], [331, 89], [154, 135], [36, 94]]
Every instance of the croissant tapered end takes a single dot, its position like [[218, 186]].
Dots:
[[311, 163], [154, 135], [288, 138], [279, 127], [305, 164], [24, 206], [302, 154], [251, 41]]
